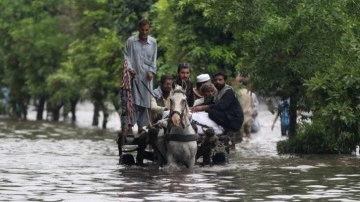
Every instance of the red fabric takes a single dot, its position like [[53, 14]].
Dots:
[[126, 85]]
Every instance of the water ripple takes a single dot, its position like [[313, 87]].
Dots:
[[44, 161]]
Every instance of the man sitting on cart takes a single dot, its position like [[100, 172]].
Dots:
[[161, 101], [225, 109]]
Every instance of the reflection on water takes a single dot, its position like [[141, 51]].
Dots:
[[43, 161]]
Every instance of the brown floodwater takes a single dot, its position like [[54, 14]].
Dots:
[[46, 161]]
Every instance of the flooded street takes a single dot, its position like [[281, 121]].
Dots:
[[45, 161]]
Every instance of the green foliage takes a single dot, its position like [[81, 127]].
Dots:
[[34, 36], [62, 87], [95, 59], [187, 36], [311, 139], [127, 13], [284, 43], [315, 138], [335, 97]]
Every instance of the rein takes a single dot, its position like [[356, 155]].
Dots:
[[181, 114], [202, 125]]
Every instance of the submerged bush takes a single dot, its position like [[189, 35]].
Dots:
[[310, 139], [316, 138]]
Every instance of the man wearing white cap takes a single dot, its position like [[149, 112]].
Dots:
[[200, 80]]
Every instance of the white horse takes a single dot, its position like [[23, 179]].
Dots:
[[180, 137]]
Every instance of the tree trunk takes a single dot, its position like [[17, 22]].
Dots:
[[106, 116], [73, 103], [56, 113], [117, 103], [40, 109], [24, 112], [293, 117], [97, 107]]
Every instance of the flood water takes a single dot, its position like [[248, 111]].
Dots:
[[45, 161]]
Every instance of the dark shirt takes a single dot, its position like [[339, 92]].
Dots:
[[189, 91], [228, 111]]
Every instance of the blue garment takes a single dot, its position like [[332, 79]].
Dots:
[[283, 108], [4, 97]]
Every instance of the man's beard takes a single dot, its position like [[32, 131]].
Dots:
[[165, 91], [219, 86], [143, 36]]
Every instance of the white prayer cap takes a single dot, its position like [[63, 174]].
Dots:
[[202, 78]]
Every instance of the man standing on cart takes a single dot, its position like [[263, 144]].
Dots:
[[140, 55], [140, 64]]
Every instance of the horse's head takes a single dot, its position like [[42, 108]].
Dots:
[[178, 106]]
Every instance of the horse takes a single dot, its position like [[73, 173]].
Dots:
[[180, 136]]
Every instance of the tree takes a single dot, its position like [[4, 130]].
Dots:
[[35, 40], [94, 57], [185, 35], [283, 43], [12, 77]]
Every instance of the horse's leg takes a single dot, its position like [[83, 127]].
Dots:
[[171, 161], [192, 162], [192, 152], [170, 158]]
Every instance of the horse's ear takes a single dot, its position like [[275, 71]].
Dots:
[[183, 85], [173, 85]]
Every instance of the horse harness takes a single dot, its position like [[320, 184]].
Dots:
[[179, 137]]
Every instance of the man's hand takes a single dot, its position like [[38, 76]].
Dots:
[[162, 123], [150, 76], [196, 109]]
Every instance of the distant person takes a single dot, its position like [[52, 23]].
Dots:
[[140, 55], [200, 80], [255, 126], [249, 103], [246, 101], [283, 113], [4, 100], [183, 77]]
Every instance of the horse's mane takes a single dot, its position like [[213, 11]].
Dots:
[[179, 89]]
